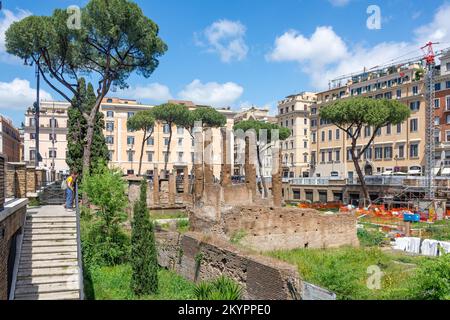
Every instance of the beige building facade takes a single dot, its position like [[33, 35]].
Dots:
[[294, 113]]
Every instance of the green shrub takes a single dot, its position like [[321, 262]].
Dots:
[[222, 288], [238, 236], [432, 280], [182, 225], [144, 260], [371, 238], [104, 248]]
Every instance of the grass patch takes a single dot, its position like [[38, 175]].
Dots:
[[113, 283], [344, 271], [167, 214]]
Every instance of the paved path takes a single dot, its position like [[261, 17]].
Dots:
[[48, 265]]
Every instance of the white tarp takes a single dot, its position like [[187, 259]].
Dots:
[[429, 247], [446, 171]]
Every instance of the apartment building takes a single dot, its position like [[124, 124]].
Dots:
[[10, 143], [294, 113], [398, 148], [123, 144], [52, 136]]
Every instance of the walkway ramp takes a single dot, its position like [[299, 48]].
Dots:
[[48, 266]]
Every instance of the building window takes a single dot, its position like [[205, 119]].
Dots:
[[367, 131], [388, 128], [368, 154], [110, 155], [447, 136], [323, 136], [292, 122], [330, 156], [437, 86], [166, 141], [330, 135], [415, 90], [305, 158], [437, 121], [32, 122], [305, 144], [52, 153], [305, 121], [399, 93], [399, 128], [130, 114], [130, 140], [130, 155], [414, 105], [180, 142], [32, 136], [292, 144], [151, 141], [437, 103], [447, 119], [150, 156], [401, 151], [110, 126], [447, 103], [322, 155], [313, 123], [180, 156], [109, 114], [338, 134], [447, 83], [349, 154], [180, 130], [378, 153], [414, 125], [166, 128], [110, 139], [313, 137], [32, 155], [414, 150], [305, 132], [387, 152], [337, 155]]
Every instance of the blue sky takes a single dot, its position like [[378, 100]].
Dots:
[[240, 53]]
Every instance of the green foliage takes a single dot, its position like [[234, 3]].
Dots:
[[344, 271], [113, 283], [171, 114], [371, 238], [77, 130], [261, 127], [34, 202], [183, 225], [238, 236], [144, 260], [105, 188], [222, 288], [104, 246], [438, 231], [141, 120], [210, 118], [432, 280], [365, 111]]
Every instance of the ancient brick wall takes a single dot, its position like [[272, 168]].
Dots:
[[10, 224], [31, 180], [198, 257], [2, 181], [269, 228], [16, 180]]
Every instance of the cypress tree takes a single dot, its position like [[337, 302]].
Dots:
[[144, 260], [77, 129]]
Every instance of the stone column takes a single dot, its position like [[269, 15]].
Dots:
[[172, 186], [31, 180], [276, 177], [209, 173], [225, 174], [249, 167], [198, 165], [155, 186], [38, 178], [186, 180]]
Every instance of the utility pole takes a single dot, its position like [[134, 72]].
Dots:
[[36, 115]]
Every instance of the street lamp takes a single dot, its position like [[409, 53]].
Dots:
[[36, 109]]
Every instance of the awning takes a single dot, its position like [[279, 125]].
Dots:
[[414, 172], [446, 171]]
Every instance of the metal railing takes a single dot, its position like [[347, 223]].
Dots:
[[79, 253]]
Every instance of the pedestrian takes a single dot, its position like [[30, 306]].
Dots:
[[70, 191]]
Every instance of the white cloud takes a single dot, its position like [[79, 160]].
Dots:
[[155, 92], [18, 95], [225, 38], [438, 29], [324, 55], [7, 17], [323, 47], [339, 3], [212, 93]]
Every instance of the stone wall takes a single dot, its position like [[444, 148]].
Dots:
[[269, 228], [31, 180], [198, 257], [2, 181], [12, 218], [16, 185]]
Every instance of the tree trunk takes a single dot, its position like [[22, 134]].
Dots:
[[361, 180], [87, 147], [263, 181], [142, 153], [166, 159]]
